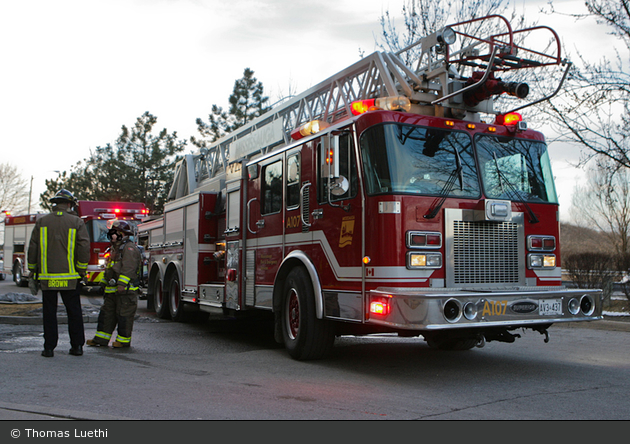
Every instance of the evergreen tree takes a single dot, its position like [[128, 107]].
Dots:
[[138, 168], [247, 102]]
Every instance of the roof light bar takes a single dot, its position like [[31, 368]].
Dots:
[[392, 103], [308, 129]]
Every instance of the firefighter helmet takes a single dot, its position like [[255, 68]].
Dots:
[[63, 196], [121, 226]]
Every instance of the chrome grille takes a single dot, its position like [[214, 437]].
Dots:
[[485, 253]]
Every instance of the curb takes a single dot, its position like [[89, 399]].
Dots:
[[37, 320]]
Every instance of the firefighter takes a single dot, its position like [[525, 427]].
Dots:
[[121, 281], [58, 255]]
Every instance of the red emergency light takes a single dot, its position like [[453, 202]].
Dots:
[[508, 119], [380, 305]]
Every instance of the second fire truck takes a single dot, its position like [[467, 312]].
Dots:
[[392, 197], [95, 214]]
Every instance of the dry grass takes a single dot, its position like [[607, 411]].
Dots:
[[20, 309]]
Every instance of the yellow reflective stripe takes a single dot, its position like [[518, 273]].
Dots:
[[72, 233], [123, 339], [110, 289], [102, 334], [43, 247], [82, 264], [124, 279]]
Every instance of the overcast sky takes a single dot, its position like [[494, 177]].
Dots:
[[74, 71]]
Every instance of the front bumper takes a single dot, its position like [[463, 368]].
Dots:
[[407, 309]]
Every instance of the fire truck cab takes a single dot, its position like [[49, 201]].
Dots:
[[17, 235], [378, 201], [95, 214]]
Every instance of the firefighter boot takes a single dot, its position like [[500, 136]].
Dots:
[[96, 342], [117, 344]]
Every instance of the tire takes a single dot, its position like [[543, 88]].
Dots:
[[305, 337], [159, 301], [17, 276], [175, 303], [443, 343]]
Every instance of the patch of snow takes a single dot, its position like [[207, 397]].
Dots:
[[18, 297]]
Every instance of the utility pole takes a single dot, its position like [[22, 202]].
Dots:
[[30, 192]]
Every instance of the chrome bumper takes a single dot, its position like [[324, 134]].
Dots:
[[442, 310]]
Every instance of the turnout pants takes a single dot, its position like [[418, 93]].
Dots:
[[72, 301], [118, 310]]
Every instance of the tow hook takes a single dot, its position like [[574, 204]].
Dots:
[[543, 331]]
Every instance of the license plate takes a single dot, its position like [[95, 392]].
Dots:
[[550, 307]]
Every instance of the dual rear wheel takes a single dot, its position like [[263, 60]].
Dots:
[[168, 304]]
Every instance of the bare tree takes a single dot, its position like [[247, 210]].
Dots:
[[603, 202], [424, 17], [14, 189], [594, 111]]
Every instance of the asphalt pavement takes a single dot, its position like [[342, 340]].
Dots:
[[91, 305]]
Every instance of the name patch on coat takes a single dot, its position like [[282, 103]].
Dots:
[[57, 283]]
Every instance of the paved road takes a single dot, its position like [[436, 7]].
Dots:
[[234, 370]]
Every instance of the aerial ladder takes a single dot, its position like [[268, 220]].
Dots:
[[458, 83]]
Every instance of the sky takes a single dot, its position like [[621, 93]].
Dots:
[[73, 72]]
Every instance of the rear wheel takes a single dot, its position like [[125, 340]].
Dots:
[[175, 303], [159, 302], [305, 337]]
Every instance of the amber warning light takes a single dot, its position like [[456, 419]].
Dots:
[[393, 103]]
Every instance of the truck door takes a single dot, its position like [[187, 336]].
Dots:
[[337, 226], [278, 195], [265, 227]]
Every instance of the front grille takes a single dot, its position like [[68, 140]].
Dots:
[[485, 253]]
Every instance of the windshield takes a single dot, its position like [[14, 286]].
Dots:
[[515, 169], [401, 158], [98, 230]]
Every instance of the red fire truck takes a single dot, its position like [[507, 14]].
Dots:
[[18, 229], [392, 197]]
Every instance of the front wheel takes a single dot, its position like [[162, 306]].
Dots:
[[439, 342], [17, 276], [305, 337]]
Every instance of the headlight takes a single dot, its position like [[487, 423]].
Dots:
[[541, 261], [424, 260]]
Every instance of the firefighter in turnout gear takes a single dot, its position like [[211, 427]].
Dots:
[[58, 255], [121, 282]]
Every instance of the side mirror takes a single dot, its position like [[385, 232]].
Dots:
[[339, 186]]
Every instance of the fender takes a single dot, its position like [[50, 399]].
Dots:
[[292, 259], [174, 267], [157, 269]]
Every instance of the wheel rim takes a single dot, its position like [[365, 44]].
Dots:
[[159, 296], [293, 314], [175, 296]]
